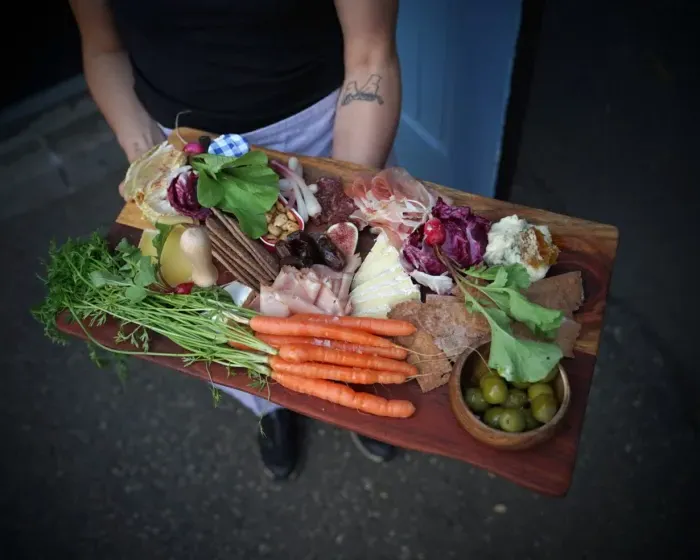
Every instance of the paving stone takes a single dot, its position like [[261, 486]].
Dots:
[[87, 150], [31, 177]]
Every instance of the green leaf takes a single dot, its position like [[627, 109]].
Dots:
[[209, 191], [210, 163], [161, 237], [101, 278], [254, 174], [146, 274], [253, 225], [501, 278], [524, 361], [135, 294], [254, 197], [124, 246], [540, 320], [518, 277]]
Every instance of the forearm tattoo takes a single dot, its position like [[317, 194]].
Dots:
[[368, 92]]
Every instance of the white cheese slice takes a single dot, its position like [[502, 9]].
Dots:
[[382, 257], [371, 290], [387, 278], [380, 306]]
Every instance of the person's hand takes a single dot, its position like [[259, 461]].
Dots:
[[135, 145], [139, 142]]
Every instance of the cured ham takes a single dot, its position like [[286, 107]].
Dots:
[[392, 201], [318, 289]]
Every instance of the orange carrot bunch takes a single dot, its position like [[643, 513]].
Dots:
[[318, 354]]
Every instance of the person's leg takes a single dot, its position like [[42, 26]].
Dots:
[[279, 434]]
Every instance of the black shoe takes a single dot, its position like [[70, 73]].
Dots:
[[374, 450], [279, 443]]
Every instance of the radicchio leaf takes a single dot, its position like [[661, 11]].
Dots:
[[466, 237], [182, 195]]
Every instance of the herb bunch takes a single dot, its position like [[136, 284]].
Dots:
[[89, 282]]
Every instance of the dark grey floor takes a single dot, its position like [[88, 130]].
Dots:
[[90, 469]]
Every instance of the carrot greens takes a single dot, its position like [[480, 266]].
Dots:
[[89, 282]]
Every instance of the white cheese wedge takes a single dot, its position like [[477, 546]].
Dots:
[[385, 279], [381, 282], [380, 306], [381, 258], [402, 285]]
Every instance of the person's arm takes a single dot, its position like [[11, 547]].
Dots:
[[109, 77], [370, 101]]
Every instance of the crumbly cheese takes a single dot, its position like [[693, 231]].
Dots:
[[515, 241]]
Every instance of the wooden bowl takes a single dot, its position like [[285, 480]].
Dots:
[[460, 380]]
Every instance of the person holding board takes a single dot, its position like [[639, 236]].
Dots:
[[314, 77]]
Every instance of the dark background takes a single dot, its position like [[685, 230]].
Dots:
[[93, 469], [42, 48]]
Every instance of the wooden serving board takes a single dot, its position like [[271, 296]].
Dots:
[[586, 246]]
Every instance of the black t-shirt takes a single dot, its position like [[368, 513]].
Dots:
[[237, 65]]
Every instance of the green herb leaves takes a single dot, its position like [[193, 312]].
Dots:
[[245, 187], [515, 359]]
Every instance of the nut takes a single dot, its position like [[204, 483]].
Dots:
[[268, 217], [291, 216], [280, 207], [280, 220], [272, 229], [292, 226]]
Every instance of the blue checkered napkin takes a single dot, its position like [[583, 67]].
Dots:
[[229, 145]]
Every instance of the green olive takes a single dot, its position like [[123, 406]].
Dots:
[[516, 399], [530, 422], [481, 370], [494, 389], [512, 420], [492, 416], [544, 407], [520, 384], [538, 389], [475, 399]]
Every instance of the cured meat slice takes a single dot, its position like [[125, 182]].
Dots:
[[392, 201]]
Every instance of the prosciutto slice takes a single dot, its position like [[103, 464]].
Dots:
[[392, 200], [318, 289]]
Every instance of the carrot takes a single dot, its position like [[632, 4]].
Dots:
[[337, 373], [345, 396], [240, 346], [382, 327], [300, 327], [275, 340], [308, 353]]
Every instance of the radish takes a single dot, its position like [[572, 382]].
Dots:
[[344, 236], [193, 148]]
